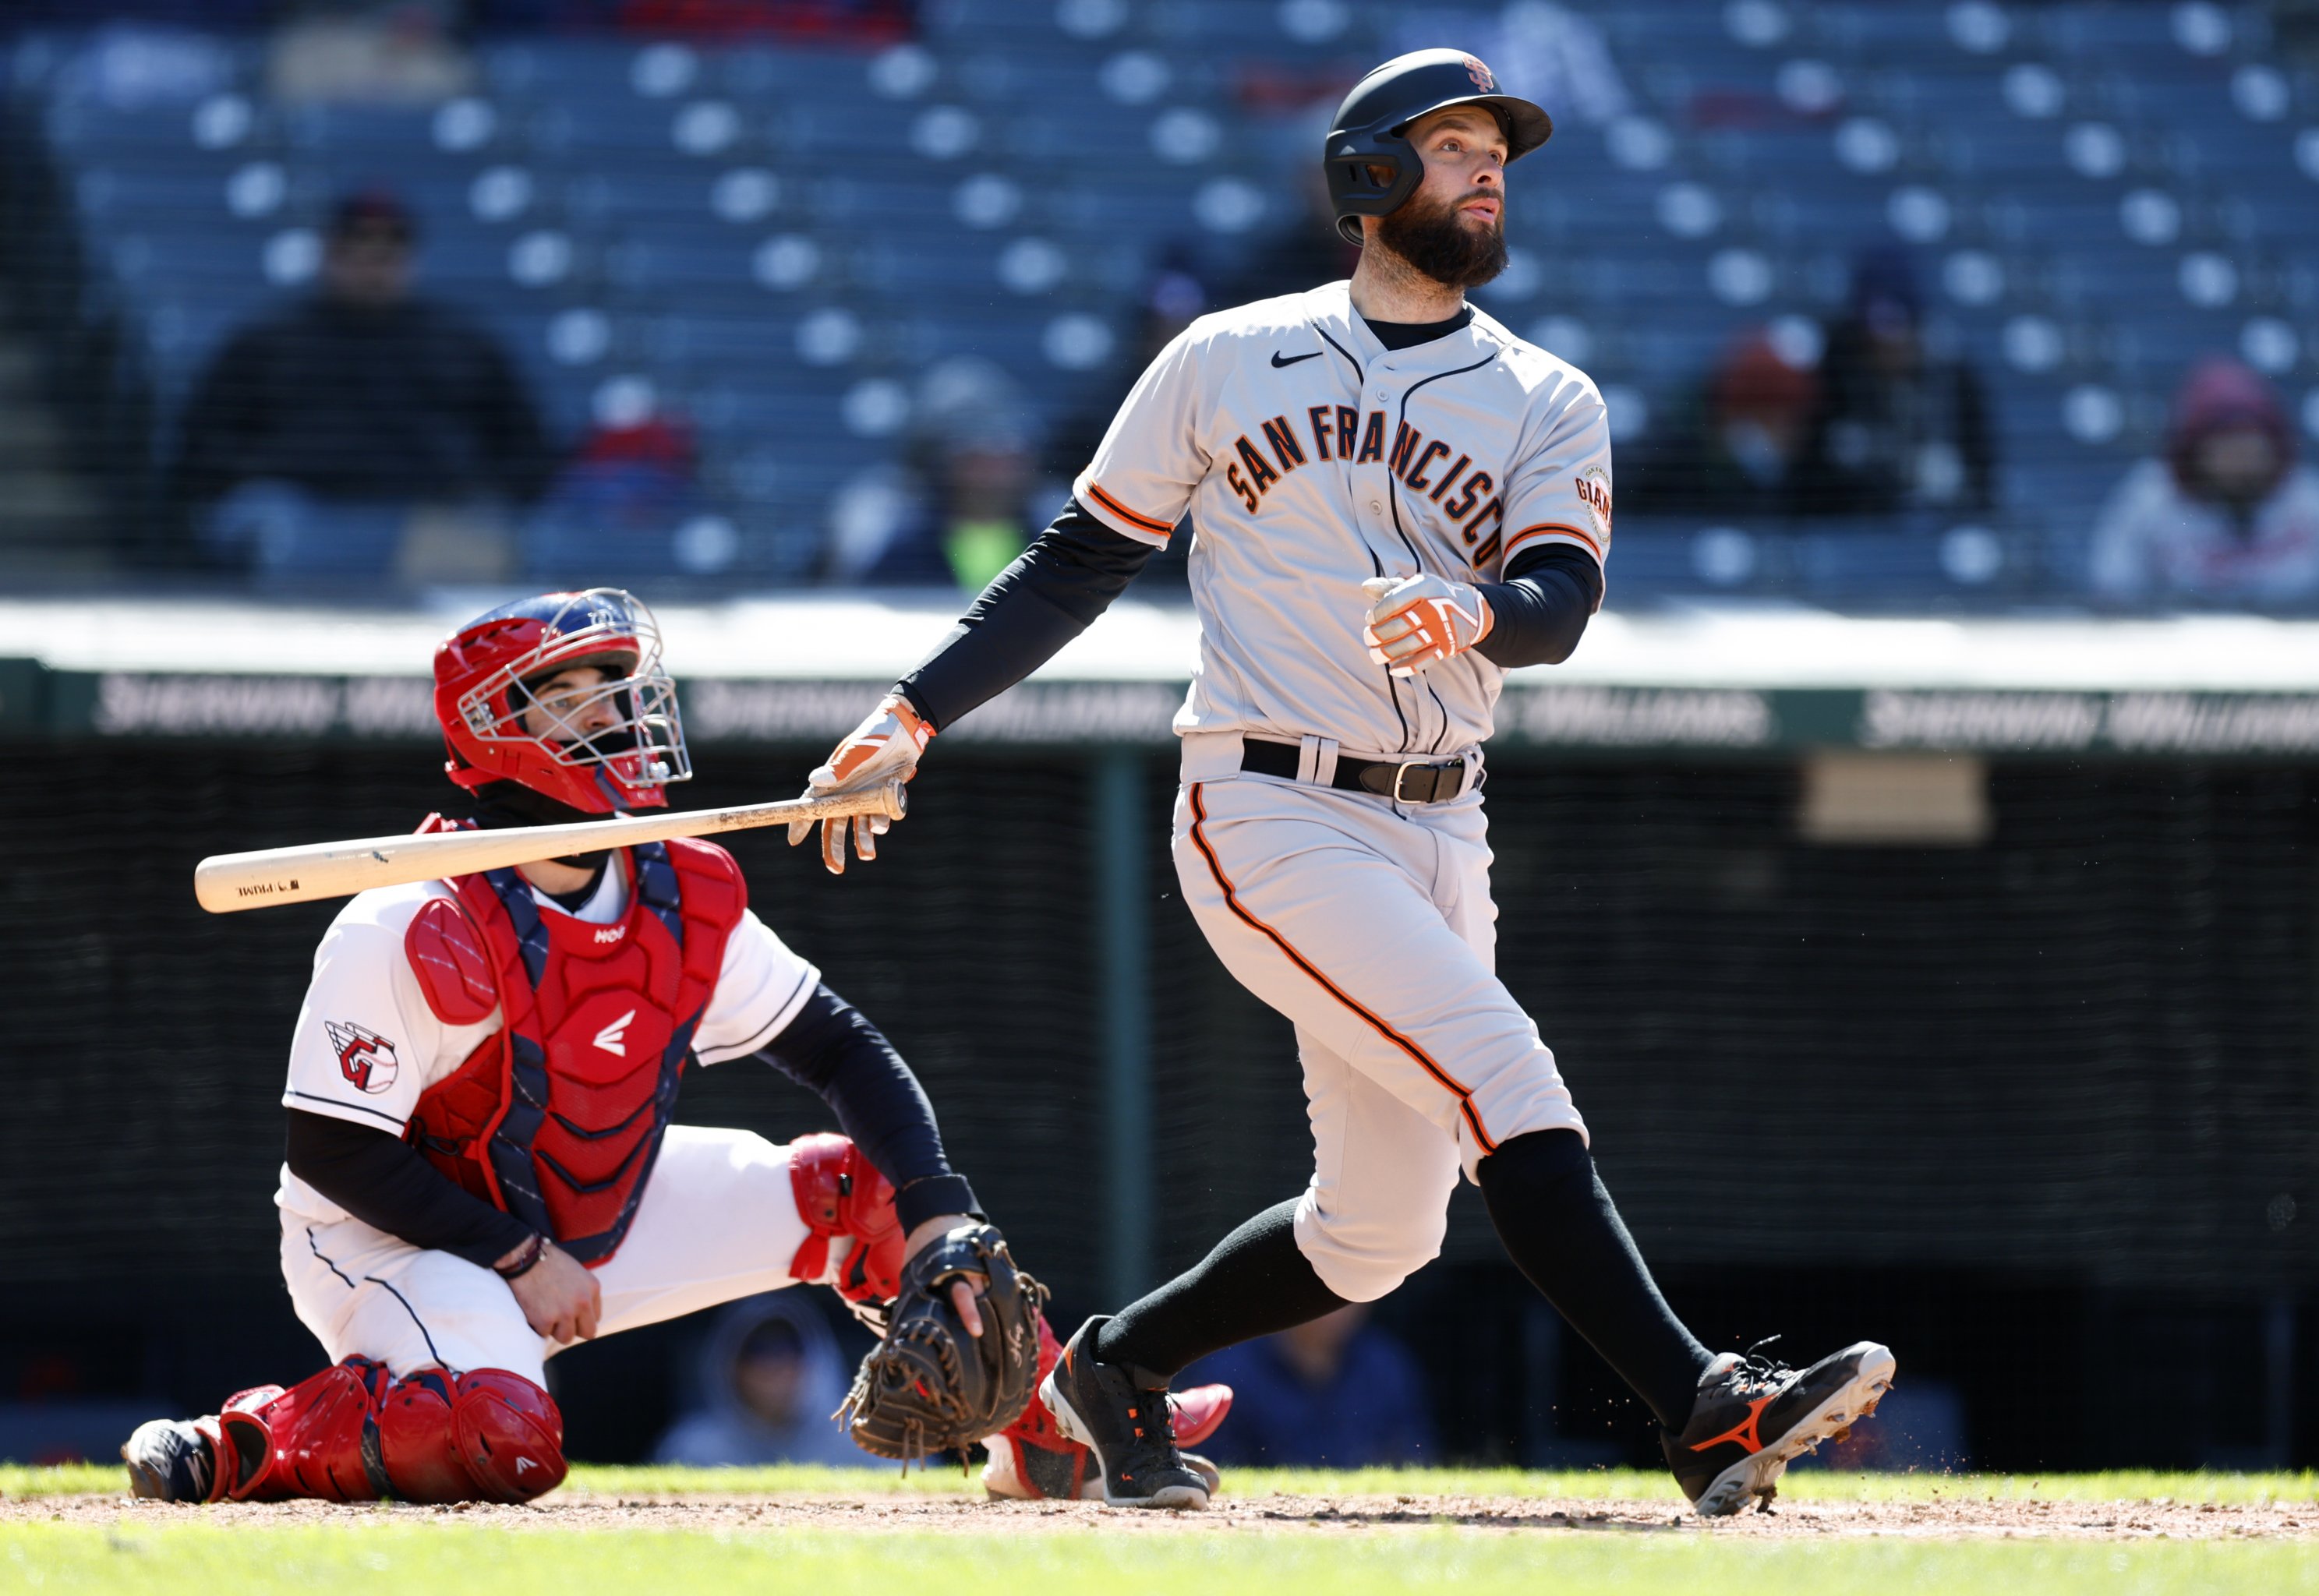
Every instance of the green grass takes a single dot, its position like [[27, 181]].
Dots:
[[406, 1550], [1591, 1484], [449, 1560]]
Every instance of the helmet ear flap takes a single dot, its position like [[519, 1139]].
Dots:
[[1359, 190]]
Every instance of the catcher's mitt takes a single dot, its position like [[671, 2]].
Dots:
[[930, 1387]]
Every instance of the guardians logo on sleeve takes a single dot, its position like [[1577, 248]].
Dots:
[[365, 1057]]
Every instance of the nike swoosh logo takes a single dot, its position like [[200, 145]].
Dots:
[[1279, 359]]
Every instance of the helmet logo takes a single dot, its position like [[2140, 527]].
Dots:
[[1480, 73]]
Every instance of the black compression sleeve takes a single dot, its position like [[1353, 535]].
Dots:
[[831, 1049], [1542, 607], [1068, 575], [381, 1179], [1253, 1283], [1562, 1230]]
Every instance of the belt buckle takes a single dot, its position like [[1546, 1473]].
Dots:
[[1401, 773]]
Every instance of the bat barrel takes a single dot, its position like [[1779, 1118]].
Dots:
[[228, 883]]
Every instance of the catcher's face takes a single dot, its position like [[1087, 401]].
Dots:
[[565, 707]]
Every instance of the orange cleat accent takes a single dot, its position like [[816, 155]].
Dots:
[[1743, 1433]]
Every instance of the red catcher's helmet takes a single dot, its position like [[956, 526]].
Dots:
[[484, 674]]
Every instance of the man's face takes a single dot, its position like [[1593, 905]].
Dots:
[[769, 1384], [561, 709], [368, 264], [1453, 229], [2239, 465]]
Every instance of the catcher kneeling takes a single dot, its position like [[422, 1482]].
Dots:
[[480, 1165]]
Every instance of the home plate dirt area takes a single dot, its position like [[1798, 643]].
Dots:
[[1963, 1509]]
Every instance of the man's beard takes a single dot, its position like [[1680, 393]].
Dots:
[[1438, 244]]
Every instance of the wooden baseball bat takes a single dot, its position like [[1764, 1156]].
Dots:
[[227, 883]]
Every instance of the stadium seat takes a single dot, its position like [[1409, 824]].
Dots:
[[2096, 193]]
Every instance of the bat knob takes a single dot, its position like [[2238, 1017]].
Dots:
[[897, 800]]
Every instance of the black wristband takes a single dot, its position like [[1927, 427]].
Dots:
[[525, 1261], [923, 1200]]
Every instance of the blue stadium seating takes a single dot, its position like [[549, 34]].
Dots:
[[697, 206]]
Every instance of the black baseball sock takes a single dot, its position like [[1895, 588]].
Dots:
[[1562, 1229], [1253, 1283]]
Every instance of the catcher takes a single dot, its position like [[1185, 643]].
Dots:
[[480, 1168]]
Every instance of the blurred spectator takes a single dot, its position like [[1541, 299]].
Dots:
[[2295, 24], [1734, 450], [629, 504], [1540, 51], [1305, 254], [139, 63], [1169, 302], [837, 21], [374, 52], [766, 1381], [1173, 297], [364, 430], [961, 505], [2227, 516], [1900, 425], [851, 22], [1337, 1391]]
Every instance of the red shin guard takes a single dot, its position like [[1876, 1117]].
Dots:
[[354, 1433]]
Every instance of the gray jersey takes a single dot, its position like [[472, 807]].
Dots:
[[1311, 458]]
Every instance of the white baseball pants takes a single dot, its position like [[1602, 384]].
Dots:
[[718, 1221], [1370, 925]]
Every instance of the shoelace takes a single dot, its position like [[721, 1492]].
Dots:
[[1759, 1371], [1155, 1415]]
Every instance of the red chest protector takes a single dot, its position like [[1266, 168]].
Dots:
[[558, 1117]]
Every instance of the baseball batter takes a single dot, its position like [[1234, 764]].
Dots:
[[1397, 501], [482, 1167]]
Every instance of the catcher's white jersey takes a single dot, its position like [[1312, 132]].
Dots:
[[716, 1219], [1311, 458], [367, 1044]]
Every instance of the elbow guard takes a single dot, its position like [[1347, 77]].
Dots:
[[856, 1246]]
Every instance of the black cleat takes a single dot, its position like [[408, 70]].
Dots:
[[1755, 1416], [1122, 1414], [170, 1460]]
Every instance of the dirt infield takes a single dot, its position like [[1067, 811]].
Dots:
[[1967, 1517]]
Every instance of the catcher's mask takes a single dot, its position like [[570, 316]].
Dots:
[[495, 672]]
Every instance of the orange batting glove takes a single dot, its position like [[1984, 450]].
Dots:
[[882, 748], [1416, 621]]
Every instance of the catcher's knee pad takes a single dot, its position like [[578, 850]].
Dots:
[[511, 1435], [1362, 1258], [485, 1435], [354, 1433], [841, 1198]]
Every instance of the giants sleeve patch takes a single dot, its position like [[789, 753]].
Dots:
[[365, 1057]]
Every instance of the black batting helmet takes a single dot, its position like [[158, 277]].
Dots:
[[1371, 125]]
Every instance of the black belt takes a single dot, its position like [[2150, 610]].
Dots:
[[1416, 781]]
